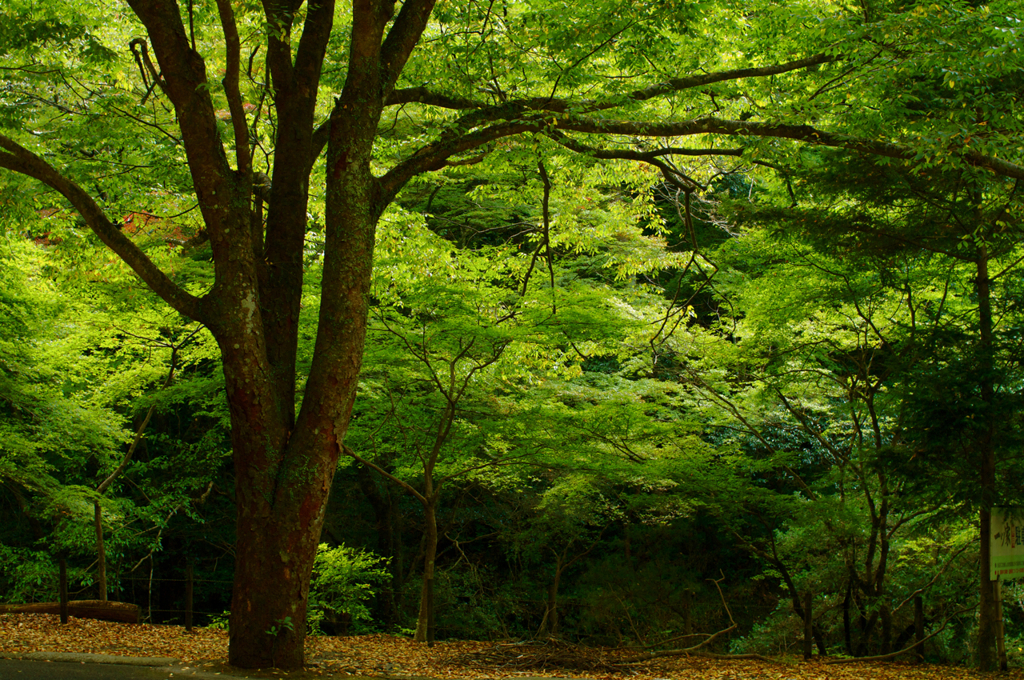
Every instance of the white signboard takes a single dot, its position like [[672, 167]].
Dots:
[[1007, 543]]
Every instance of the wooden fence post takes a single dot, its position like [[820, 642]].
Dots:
[[189, 579], [62, 592], [1000, 627]]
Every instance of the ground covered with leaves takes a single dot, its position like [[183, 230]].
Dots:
[[395, 657]]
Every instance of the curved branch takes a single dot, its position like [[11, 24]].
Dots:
[[644, 156], [803, 133], [423, 95], [918, 643], [384, 473], [150, 76], [690, 82], [703, 643], [18, 159], [435, 156]]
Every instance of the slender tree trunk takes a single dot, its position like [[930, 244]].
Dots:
[[819, 640], [551, 614], [847, 635], [867, 628], [808, 624], [988, 611], [62, 593], [919, 628], [397, 566], [429, 555]]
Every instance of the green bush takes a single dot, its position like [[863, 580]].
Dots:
[[343, 580], [27, 575]]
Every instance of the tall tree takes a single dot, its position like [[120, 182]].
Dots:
[[343, 78], [952, 226]]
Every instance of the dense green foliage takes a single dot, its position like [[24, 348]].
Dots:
[[614, 388]]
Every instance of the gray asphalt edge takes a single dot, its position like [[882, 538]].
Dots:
[[171, 665], [95, 658], [178, 668]]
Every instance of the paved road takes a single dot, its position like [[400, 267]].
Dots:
[[20, 669], [16, 669]]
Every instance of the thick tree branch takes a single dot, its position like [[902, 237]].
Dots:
[[705, 79], [278, 246], [369, 18], [280, 16], [435, 156], [184, 72], [18, 159], [671, 173], [402, 39], [183, 69], [309, 58], [636, 155], [423, 95]]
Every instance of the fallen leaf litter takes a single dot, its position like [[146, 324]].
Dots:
[[396, 657]]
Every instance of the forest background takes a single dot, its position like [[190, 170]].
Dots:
[[670, 306]]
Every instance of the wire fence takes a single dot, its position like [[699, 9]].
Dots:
[[169, 599], [152, 594]]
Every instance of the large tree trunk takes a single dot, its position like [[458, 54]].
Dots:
[[284, 475], [268, 607]]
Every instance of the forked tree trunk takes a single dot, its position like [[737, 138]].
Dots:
[[549, 624], [284, 474]]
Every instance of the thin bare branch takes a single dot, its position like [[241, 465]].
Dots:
[[420, 497], [233, 63]]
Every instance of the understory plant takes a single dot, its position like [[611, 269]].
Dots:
[[344, 579]]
